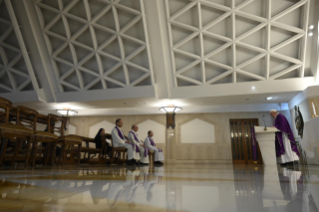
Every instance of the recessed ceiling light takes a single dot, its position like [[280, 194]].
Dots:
[[311, 27], [310, 34], [270, 98], [67, 112], [253, 87]]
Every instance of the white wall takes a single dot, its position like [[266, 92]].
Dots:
[[108, 126], [158, 129], [197, 131], [71, 130]]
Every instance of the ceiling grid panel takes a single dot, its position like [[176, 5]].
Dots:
[[304, 39], [216, 42], [97, 45], [16, 71], [233, 36]]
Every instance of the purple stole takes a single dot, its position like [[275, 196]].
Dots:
[[119, 132], [282, 124], [146, 149], [153, 144]]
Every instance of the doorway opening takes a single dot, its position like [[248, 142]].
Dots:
[[240, 134]]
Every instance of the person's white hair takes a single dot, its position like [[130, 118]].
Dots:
[[273, 110]]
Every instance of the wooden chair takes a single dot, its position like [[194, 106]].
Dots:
[[118, 152], [66, 141], [47, 138], [22, 131], [150, 154]]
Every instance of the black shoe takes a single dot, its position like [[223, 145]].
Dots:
[[143, 164], [130, 168], [131, 163], [158, 163], [283, 164]]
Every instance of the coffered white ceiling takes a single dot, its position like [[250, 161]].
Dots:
[[15, 67], [98, 50], [229, 41], [96, 44]]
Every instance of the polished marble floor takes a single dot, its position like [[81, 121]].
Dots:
[[211, 188]]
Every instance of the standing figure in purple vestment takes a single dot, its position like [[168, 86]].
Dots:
[[286, 147], [133, 138], [119, 140], [150, 144]]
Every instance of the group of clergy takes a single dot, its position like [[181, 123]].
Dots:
[[137, 151]]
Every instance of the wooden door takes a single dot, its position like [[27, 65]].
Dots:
[[240, 133]]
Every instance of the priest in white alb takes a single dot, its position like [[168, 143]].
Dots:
[[150, 144], [133, 138], [119, 140], [286, 147]]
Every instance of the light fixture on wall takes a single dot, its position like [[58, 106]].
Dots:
[[170, 115], [67, 112], [270, 98], [170, 109], [311, 27]]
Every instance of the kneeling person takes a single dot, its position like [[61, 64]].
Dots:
[[150, 144], [133, 138], [119, 140]]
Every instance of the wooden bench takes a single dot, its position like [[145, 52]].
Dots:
[[22, 132], [70, 144], [87, 150]]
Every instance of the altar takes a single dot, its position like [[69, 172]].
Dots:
[[310, 140]]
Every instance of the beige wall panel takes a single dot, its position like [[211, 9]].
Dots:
[[84, 123]]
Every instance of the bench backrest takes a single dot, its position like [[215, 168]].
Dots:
[[5, 106], [27, 117], [53, 119]]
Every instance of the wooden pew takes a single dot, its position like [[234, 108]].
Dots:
[[38, 136], [87, 150], [67, 142], [21, 131]]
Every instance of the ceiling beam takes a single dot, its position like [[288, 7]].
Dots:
[[109, 94], [24, 52], [39, 52], [231, 89], [303, 47]]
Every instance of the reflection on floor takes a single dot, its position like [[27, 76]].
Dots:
[[212, 188]]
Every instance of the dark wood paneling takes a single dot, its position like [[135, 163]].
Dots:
[[240, 132]]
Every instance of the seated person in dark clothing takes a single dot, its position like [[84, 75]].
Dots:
[[98, 142]]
